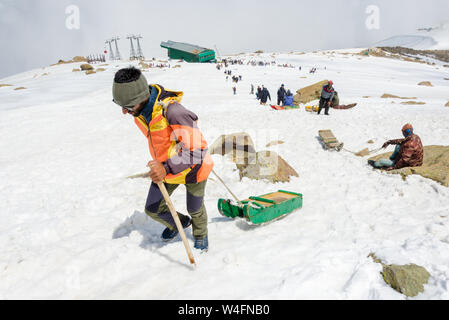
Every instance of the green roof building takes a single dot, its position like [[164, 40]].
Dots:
[[188, 52]]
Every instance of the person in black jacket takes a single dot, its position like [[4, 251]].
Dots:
[[265, 95], [327, 94], [259, 93], [281, 95]]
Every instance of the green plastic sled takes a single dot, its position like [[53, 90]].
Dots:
[[262, 209]]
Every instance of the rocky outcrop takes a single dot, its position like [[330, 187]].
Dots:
[[76, 70], [239, 146], [86, 67], [425, 83], [90, 72], [412, 103], [406, 279], [435, 166], [392, 96], [269, 166], [79, 59], [100, 70], [5, 85], [20, 88], [254, 165], [310, 93], [274, 143]]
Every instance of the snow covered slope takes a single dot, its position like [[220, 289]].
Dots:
[[434, 39], [72, 226]]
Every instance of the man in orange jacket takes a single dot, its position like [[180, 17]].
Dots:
[[177, 146]]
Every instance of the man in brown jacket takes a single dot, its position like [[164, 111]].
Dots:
[[409, 152]]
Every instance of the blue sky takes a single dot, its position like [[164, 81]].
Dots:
[[33, 33]]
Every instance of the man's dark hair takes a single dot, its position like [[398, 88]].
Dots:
[[127, 75]]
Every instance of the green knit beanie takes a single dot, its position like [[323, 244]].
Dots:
[[131, 93]]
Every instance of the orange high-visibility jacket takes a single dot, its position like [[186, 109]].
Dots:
[[175, 140]]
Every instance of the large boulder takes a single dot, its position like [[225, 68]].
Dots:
[[310, 93], [268, 166], [86, 67], [408, 279], [79, 59], [239, 146], [435, 166]]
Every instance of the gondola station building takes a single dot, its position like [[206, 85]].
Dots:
[[188, 52]]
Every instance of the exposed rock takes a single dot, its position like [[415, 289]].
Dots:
[[239, 146], [363, 153], [61, 62], [45, 74], [435, 166], [143, 65], [370, 141], [269, 166], [310, 93], [20, 88], [407, 279], [86, 67], [392, 96], [275, 143], [413, 103], [90, 72], [76, 70], [79, 59], [5, 85], [100, 70], [425, 83]]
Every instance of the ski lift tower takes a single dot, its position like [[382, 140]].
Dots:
[[132, 55], [117, 52], [139, 48], [111, 52]]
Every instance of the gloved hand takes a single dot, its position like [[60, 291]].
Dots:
[[386, 144]]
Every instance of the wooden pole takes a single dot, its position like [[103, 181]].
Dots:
[[177, 221]]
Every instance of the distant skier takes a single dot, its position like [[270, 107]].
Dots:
[[281, 95], [173, 128], [235, 90], [252, 89], [259, 93], [327, 94]]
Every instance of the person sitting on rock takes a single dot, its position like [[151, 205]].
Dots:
[[409, 152], [289, 99]]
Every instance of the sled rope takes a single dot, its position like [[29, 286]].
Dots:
[[369, 152], [229, 190]]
